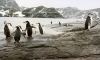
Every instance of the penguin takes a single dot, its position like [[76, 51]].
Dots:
[[88, 23], [17, 35], [28, 28], [51, 22], [59, 23], [40, 29], [7, 30]]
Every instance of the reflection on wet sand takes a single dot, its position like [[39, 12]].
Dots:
[[29, 39], [8, 41]]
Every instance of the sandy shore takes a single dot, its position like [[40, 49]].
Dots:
[[73, 44]]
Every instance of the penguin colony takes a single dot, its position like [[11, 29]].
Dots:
[[29, 27], [18, 31]]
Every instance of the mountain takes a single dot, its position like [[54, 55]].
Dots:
[[9, 4], [72, 12], [42, 12], [68, 12]]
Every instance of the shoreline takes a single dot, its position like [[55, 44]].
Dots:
[[70, 45]]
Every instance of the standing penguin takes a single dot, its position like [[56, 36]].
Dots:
[[40, 28], [51, 22], [88, 22], [59, 23], [28, 28], [17, 35], [7, 30]]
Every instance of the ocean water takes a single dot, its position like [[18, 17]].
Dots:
[[44, 21]]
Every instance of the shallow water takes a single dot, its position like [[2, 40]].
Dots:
[[44, 21]]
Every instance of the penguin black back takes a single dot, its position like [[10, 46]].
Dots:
[[7, 31], [17, 34], [87, 22], [40, 28], [29, 29]]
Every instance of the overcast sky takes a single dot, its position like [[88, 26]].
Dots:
[[81, 4]]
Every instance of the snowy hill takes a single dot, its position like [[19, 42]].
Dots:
[[7, 4], [42, 12], [72, 12], [68, 12]]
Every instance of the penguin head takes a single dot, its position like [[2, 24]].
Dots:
[[38, 23], [26, 22], [5, 22], [90, 14], [9, 24], [18, 27]]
